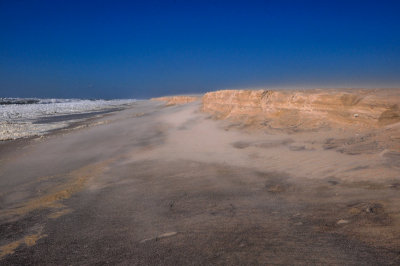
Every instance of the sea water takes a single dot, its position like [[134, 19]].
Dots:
[[25, 117]]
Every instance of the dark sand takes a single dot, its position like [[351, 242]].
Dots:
[[168, 185]]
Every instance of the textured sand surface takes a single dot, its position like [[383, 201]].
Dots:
[[173, 185]]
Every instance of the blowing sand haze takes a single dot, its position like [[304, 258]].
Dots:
[[200, 132], [231, 177]]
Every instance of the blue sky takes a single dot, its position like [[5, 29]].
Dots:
[[128, 49]]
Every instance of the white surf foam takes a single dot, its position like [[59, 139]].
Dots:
[[17, 115]]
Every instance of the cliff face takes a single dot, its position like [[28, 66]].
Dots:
[[308, 109], [173, 100]]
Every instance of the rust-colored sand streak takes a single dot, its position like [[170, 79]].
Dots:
[[76, 181], [28, 240], [58, 214]]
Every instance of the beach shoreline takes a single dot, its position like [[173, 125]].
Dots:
[[170, 183]]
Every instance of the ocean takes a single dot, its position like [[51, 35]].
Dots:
[[26, 117]]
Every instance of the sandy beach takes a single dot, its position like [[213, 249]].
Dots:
[[232, 177]]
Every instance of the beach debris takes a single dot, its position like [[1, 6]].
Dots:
[[165, 235], [342, 221]]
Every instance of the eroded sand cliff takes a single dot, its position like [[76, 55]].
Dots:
[[366, 120], [308, 109]]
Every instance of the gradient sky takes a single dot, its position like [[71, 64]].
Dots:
[[115, 49]]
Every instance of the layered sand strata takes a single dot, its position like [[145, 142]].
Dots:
[[365, 121], [307, 109]]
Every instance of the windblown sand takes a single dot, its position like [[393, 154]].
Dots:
[[227, 179]]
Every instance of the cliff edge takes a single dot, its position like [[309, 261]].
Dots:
[[307, 109]]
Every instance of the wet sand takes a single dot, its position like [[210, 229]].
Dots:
[[156, 184]]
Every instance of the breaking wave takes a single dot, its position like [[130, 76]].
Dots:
[[19, 116]]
